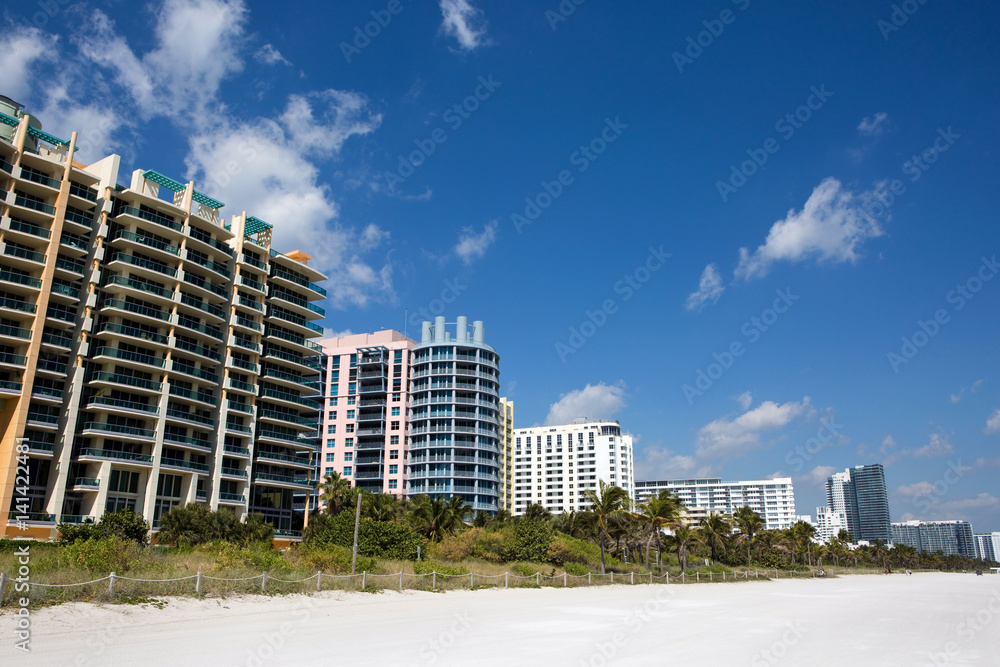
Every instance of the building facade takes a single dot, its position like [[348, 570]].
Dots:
[[365, 425], [455, 415], [949, 537], [772, 499], [555, 465], [988, 546], [860, 493], [829, 523], [151, 353], [506, 454]]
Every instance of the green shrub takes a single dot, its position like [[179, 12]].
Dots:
[[126, 525], [331, 559], [428, 566], [524, 569], [104, 555], [260, 556], [376, 539], [189, 525], [575, 569], [76, 532]]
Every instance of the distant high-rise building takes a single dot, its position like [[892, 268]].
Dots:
[[773, 499], [506, 453], [949, 537], [860, 493], [988, 546], [365, 419], [555, 465], [829, 523], [455, 416]]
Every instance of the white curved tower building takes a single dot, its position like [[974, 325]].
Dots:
[[455, 409]]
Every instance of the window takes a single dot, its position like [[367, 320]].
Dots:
[[333, 402], [393, 454], [352, 388], [350, 428], [332, 414], [332, 428], [327, 471], [335, 376], [393, 484], [395, 412], [348, 456], [348, 442], [395, 397], [333, 391], [329, 457], [350, 414], [348, 470], [398, 356], [395, 426], [354, 361], [351, 400], [394, 470], [335, 362], [393, 439]]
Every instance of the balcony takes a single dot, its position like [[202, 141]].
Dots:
[[9, 388], [171, 251], [140, 263], [117, 405], [199, 396], [233, 362], [236, 451], [297, 359], [214, 311], [220, 269], [161, 220], [114, 455], [100, 428], [197, 349], [179, 366], [84, 483], [289, 398], [269, 479], [13, 304], [17, 360], [289, 438], [280, 274], [33, 258], [15, 332], [303, 461], [201, 283], [20, 279], [134, 357], [183, 465], [303, 326], [312, 347], [190, 417], [239, 428], [235, 472], [203, 329], [231, 498], [31, 204], [305, 308], [237, 385]]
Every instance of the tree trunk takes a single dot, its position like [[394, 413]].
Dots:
[[601, 540]]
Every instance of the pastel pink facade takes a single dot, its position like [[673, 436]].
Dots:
[[365, 419]]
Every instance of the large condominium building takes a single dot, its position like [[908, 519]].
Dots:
[[506, 453], [988, 546], [860, 493], [151, 353], [455, 415], [555, 465], [773, 499], [950, 537], [366, 421]]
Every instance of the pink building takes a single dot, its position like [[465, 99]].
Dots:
[[366, 381]]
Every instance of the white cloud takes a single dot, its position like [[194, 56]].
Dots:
[[724, 437], [709, 289], [662, 463], [932, 508], [600, 401], [463, 22], [888, 443], [955, 398], [873, 126], [938, 446], [916, 490], [472, 246], [817, 475], [745, 400], [993, 423], [329, 332], [320, 122], [197, 46], [269, 55], [830, 227], [22, 48]]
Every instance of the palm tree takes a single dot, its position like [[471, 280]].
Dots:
[[713, 531], [335, 492], [682, 541], [657, 512], [575, 524], [750, 523], [801, 534], [380, 506], [606, 504], [845, 536], [460, 509], [536, 512], [436, 517]]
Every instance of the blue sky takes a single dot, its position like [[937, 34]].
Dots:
[[819, 175]]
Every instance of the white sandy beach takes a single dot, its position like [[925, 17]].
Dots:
[[925, 619]]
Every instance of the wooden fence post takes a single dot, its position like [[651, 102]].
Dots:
[[434, 580], [263, 581], [612, 577], [3, 585], [197, 584], [111, 585], [588, 578], [319, 580], [565, 584], [632, 577], [400, 581], [538, 578], [472, 580], [505, 576], [364, 580]]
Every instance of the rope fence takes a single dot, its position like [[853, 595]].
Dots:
[[264, 583]]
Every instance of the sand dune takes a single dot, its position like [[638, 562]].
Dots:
[[925, 619]]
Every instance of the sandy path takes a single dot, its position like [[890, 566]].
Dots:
[[927, 619]]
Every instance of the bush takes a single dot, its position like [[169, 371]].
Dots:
[[376, 539], [428, 566], [70, 533], [189, 525], [258, 557], [104, 555], [334, 559], [530, 541], [524, 569], [576, 569], [126, 525]]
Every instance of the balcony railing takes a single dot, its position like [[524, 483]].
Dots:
[[34, 205], [29, 255], [28, 228], [147, 241], [20, 279], [126, 380], [151, 217], [221, 269], [292, 398], [118, 403], [298, 280], [197, 349], [15, 332], [180, 463], [118, 428], [114, 454], [121, 304], [159, 267], [193, 395], [141, 286], [126, 355]]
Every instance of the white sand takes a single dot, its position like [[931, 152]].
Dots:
[[925, 619]]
